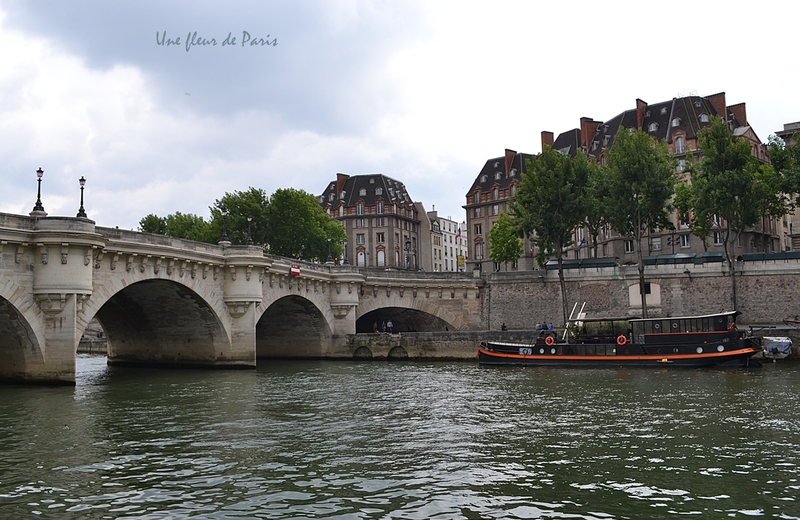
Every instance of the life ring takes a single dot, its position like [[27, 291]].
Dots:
[[549, 341], [621, 340]]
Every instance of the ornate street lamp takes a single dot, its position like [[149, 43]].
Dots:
[[81, 211], [224, 238], [408, 253], [330, 256], [249, 234], [344, 253], [38, 207]]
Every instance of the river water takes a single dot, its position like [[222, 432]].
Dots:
[[351, 440]]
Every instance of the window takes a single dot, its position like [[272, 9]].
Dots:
[[359, 222], [717, 238], [379, 208], [342, 194], [715, 219], [679, 145], [629, 246], [681, 165], [495, 194], [653, 127], [477, 212], [676, 121], [380, 222], [360, 208], [498, 175], [331, 196], [362, 192], [341, 211], [478, 230], [496, 209], [663, 111], [655, 244], [378, 191], [685, 240], [381, 258], [483, 178], [360, 239], [704, 118], [479, 251], [379, 238], [513, 189]]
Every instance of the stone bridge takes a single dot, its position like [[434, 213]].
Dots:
[[168, 301]]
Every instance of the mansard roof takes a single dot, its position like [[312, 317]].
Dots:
[[568, 142], [494, 174], [368, 188]]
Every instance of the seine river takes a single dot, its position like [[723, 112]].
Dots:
[[351, 440]]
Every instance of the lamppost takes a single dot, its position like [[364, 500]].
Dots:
[[344, 253], [249, 233], [224, 238], [408, 253], [38, 208], [330, 256], [81, 211], [671, 242]]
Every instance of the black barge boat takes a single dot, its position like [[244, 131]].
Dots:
[[691, 341]]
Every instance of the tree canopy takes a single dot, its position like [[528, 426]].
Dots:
[[551, 202], [290, 223], [504, 242], [641, 182]]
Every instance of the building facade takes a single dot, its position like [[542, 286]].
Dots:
[[448, 244], [490, 195], [678, 122], [383, 225]]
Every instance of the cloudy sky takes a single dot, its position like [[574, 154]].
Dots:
[[422, 91]]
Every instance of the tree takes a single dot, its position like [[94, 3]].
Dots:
[[241, 205], [298, 226], [179, 225], [641, 181], [549, 204], [504, 243], [731, 183], [152, 223], [785, 160]]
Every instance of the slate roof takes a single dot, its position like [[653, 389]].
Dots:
[[494, 168], [368, 188]]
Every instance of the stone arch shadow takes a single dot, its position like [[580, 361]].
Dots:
[[292, 327], [404, 319], [162, 322], [20, 346]]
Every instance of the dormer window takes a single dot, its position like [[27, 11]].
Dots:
[[595, 144], [676, 121], [483, 178], [342, 194], [653, 127], [362, 192], [513, 172], [331, 196], [372, 181], [498, 175], [496, 164], [704, 118], [378, 191], [697, 104], [663, 111]]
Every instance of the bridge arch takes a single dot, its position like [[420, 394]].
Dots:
[[161, 321], [292, 326], [421, 316], [20, 345]]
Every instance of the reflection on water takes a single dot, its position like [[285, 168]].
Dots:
[[405, 440]]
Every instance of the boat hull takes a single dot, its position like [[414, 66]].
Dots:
[[733, 358]]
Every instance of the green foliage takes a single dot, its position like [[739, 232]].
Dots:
[[551, 202], [504, 243], [300, 227], [641, 182], [241, 205], [179, 225], [785, 160], [153, 224]]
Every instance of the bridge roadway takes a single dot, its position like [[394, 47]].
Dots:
[[167, 301]]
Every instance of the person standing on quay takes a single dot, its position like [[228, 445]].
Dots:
[[390, 326]]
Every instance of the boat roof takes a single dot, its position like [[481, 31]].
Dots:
[[657, 318]]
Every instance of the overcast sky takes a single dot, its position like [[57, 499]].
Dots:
[[424, 92]]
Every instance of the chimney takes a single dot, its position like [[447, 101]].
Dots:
[[341, 178], [641, 107], [718, 103], [509, 158], [740, 113], [547, 139], [588, 129]]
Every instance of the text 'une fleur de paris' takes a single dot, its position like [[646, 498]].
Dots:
[[193, 40]]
